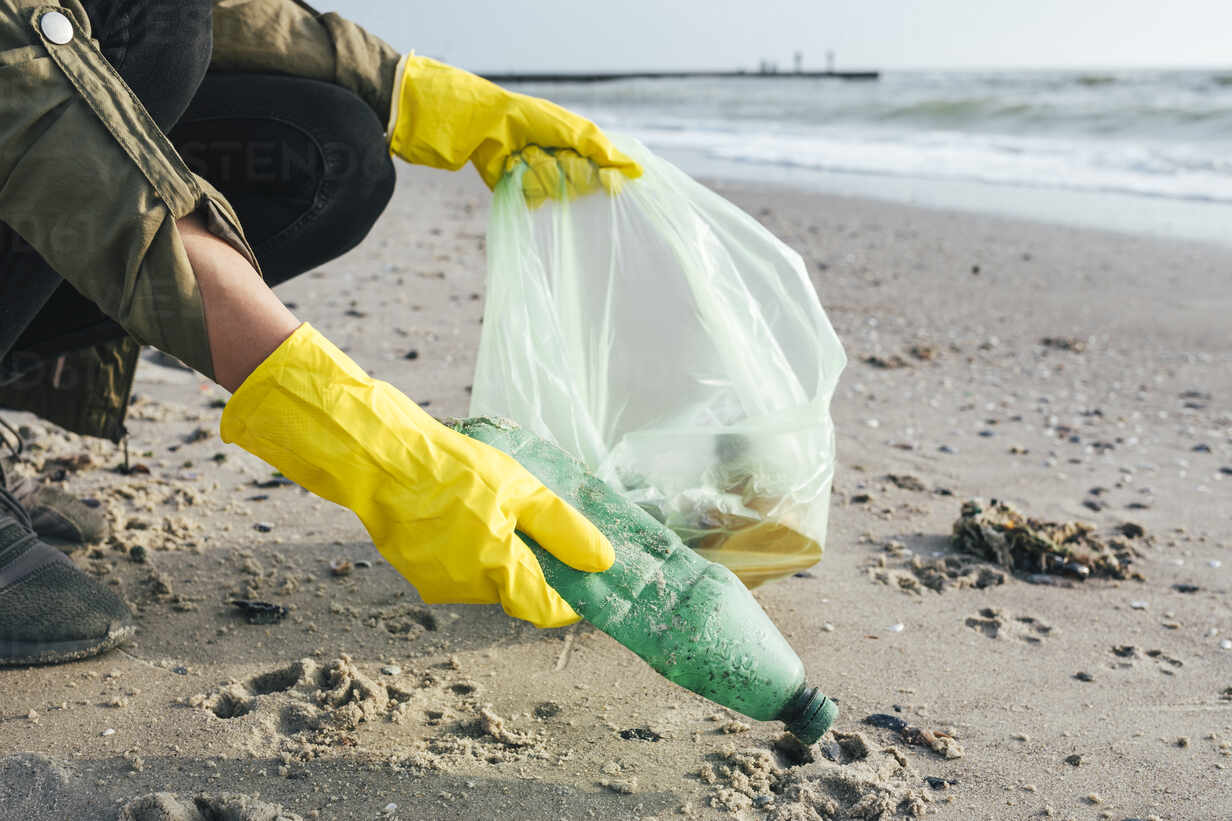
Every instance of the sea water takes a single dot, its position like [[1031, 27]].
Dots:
[[1136, 150]]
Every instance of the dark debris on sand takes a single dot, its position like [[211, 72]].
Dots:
[[940, 742], [999, 534], [260, 612]]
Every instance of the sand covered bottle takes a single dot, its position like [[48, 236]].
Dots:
[[690, 619]]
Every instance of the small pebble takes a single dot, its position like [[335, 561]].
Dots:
[[1084, 676], [1095, 798], [643, 734], [1182, 742], [263, 527], [391, 670], [547, 709], [1226, 644], [620, 786], [1139, 605], [107, 732], [827, 627]]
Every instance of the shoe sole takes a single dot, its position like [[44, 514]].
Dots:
[[34, 653], [65, 546]]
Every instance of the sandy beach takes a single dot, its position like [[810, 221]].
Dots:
[[1078, 375]]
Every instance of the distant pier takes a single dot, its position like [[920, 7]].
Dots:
[[678, 75]]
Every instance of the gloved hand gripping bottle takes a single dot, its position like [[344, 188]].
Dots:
[[690, 619]]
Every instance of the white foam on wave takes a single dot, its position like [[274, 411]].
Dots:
[[1162, 134], [1171, 170]]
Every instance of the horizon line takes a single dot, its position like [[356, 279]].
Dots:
[[755, 71]]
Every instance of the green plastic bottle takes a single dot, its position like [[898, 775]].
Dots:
[[690, 619]]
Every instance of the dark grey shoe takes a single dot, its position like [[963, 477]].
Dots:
[[50, 612], [60, 517], [57, 517]]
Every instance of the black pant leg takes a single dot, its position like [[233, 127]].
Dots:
[[304, 163], [26, 284], [162, 49]]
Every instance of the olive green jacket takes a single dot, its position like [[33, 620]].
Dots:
[[89, 180]]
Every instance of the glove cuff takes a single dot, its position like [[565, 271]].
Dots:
[[395, 103], [282, 368], [441, 114]]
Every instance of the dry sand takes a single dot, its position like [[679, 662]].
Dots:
[[1099, 699]]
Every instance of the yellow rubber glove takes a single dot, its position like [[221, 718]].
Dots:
[[444, 117], [442, 508], [561, 174]]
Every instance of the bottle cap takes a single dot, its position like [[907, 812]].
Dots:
[[809, 714]]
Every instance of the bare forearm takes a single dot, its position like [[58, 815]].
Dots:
[[245, 321]]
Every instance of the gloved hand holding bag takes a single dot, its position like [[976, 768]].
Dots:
[[444, 117]]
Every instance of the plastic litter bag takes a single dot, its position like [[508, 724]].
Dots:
[[678, 349]]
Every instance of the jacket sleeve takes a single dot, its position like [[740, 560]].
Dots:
[[92, 184], [289, 37]]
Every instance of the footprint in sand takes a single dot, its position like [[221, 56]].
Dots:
[[305, 696], [168, 807], [307, 709], [308, 706], [994, 624]]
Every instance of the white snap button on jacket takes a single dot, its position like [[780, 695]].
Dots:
[[56, 27]]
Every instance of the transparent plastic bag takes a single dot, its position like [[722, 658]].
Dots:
[[677, 348]]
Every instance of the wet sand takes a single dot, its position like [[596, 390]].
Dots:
[[1087, 700]]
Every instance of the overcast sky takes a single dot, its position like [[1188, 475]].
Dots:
[[484, 35]]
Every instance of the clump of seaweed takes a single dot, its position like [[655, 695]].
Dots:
[[998, 533]]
